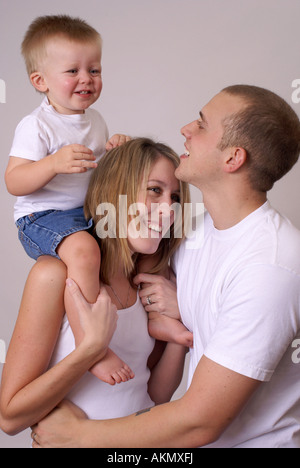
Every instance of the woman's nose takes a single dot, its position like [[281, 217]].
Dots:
[[165, 201]]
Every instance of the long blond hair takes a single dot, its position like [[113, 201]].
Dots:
[[123, 171]]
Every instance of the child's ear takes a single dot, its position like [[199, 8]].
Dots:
[[38, 81]]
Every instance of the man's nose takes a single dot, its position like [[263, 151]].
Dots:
[[187, 130]]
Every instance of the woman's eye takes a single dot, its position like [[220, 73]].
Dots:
[[176, 198], [154, 190]]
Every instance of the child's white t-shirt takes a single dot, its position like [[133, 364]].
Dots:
[[239, 293], [44, 132]]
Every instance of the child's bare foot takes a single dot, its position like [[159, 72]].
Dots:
[[165, 328], [111, 369]]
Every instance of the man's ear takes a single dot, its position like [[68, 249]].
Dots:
[[38, 81], [236, 157]]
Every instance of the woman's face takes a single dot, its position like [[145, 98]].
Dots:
[[151, 217]]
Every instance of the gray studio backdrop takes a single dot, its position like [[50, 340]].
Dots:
[[162, 61]]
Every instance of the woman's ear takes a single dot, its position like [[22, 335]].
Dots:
[[38, 82], [235, 159]]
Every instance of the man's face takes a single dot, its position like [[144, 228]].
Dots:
[[202, 163]]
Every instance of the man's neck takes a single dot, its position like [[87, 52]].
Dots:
[[228, 209]]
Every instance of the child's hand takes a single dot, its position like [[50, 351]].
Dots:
[[116, 140], [73, 159]]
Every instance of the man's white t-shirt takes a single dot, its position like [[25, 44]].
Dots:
[[239, 293], [43, 133]]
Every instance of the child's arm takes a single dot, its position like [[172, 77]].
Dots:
[[24, 176]]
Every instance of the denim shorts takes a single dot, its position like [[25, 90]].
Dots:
[[41, 233]]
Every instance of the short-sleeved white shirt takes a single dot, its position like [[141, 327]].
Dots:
[[239, 293], [43, 133]]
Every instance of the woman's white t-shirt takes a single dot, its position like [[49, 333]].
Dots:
[[132, 343]]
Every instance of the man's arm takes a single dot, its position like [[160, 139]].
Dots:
[[214, 399]]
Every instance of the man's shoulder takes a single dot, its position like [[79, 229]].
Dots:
[[287, 243]]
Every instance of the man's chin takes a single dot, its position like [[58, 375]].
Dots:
[[180, 174]]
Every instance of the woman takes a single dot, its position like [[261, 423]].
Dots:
[[42, 365]]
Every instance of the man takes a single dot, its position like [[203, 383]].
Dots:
[[238, 292]]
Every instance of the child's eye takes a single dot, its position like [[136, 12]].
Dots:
[[72, 71], [95, 72]]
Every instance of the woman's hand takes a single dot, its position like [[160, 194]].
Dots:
[[98, 321], [159, 294], [60, 429]]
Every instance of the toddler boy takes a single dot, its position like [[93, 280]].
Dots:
[[54, 151]]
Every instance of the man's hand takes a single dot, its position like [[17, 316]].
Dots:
[[61, 428], [116, 140], [72, 159]]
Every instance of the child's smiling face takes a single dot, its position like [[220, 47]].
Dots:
[[70, 74]]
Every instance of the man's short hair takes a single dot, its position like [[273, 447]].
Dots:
[[268, 129]]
